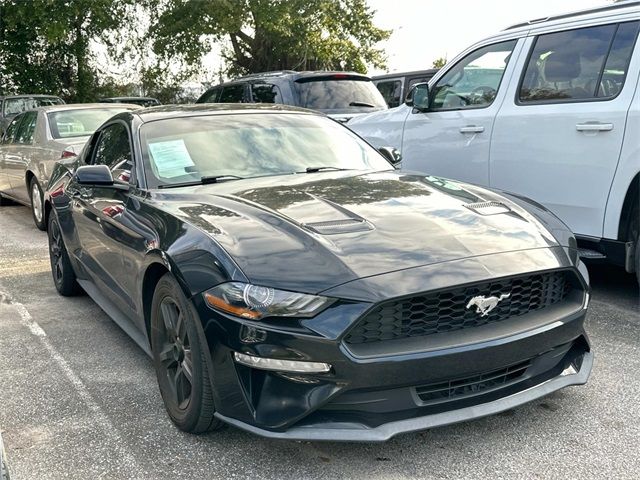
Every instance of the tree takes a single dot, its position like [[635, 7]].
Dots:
[[263, 35], [440, 62], [46, 44]]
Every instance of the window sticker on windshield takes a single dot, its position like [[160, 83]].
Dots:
[[171, 158]]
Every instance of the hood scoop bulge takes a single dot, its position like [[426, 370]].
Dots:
[[331, 227], [334, 219], [488, 208]]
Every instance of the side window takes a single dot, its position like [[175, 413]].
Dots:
[[212, 96], [232, 93], [473, 82], [578, 64], [27, 128], [114, 150], [10, 132], [615, 70], [265, 93], [391, 91]]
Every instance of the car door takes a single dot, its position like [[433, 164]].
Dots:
[[452, 138], [8, 154], [557, 138], [23, 147], [97, 212]]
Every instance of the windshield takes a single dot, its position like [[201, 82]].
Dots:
[[13, 106], [180, 150], [345, 94], [80, 122]]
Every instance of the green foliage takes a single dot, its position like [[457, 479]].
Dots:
[[263, 35], [440, 62], [45, 44]]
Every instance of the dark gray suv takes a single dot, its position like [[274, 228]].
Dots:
[[341, 95]]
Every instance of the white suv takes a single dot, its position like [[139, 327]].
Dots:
[[549, 109]]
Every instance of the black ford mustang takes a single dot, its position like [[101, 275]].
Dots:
[[287, 279]]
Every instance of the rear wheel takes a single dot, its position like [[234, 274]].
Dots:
[[179, 351], [634, 236], [64, 277], [37, 205]]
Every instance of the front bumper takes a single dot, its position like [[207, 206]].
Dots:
[[344, 432], [372, 395]]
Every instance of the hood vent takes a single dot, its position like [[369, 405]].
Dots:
[[488, 208], [331, 227]]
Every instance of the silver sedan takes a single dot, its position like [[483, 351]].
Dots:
[[36, 139]]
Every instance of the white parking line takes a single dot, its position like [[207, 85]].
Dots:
[[101, 420]]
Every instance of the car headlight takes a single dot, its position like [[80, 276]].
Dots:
[[254, 302]]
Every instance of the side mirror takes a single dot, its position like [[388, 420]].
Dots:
[[418, 97], [391, 154], [96, 175]]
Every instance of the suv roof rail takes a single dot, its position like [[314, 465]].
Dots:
[[275, 73], [606, 8]]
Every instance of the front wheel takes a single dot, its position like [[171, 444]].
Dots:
[[37, 209], [179, 351]]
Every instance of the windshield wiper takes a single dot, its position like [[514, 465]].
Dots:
[[361, 104], [319, 169], [203, 181]]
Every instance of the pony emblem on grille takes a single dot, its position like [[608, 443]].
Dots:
[[484, 305]]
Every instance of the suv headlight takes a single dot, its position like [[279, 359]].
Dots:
[[254, 302]]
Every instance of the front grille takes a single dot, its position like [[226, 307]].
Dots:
[[446, 310], [456, 389]]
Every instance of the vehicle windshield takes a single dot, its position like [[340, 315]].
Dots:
[[79, 122], [347, 94], [182, 150], [13, 106]]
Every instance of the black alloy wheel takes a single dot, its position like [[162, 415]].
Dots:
[[179, 353], [64, 277]]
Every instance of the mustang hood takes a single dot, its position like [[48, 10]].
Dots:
[[310, 232]]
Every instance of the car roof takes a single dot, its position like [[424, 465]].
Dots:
[[429, 71], [26, 95], [174, 111], [85, 106], [130, 98], [615, 8], [293, 75]]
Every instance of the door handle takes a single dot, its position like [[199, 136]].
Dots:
[[594, 127], [472, 129]]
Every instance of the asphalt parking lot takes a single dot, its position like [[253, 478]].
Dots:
[[78, 399]]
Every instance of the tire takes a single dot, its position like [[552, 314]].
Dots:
[[37, 204], [64, 278], [634, 236], [179, 356], [4, 201]]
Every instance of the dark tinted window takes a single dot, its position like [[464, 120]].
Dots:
[[114, 150], [27, 128], [391, 90], [615, 70], [347, 94], [211, 96], [473, 82], [10, 133], [578, 64], [265, 93], [232, 94]]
